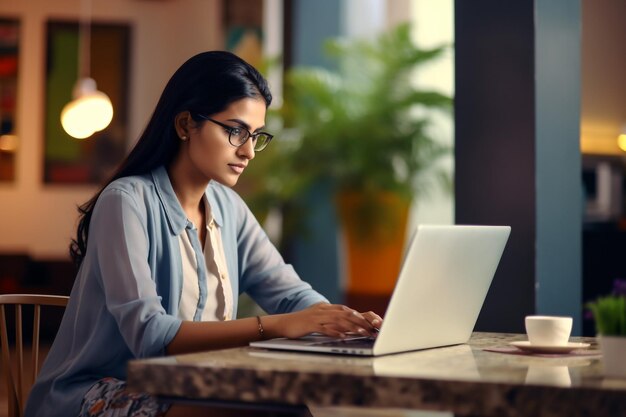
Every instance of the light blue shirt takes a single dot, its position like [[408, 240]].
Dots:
[[126, 295]]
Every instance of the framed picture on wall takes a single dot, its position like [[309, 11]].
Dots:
[[92, 160], [9, 57]]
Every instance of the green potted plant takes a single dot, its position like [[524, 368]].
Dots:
[[609, 314], [362, 129]]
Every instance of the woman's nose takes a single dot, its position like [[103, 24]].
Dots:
[[247, 149]]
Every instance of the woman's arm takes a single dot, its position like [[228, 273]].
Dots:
[[263, 274], [329, 319], [299, 310], [117, 257]]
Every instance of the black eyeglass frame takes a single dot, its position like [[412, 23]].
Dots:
[[230, 130]]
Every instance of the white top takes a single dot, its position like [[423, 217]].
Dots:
[[219, 299]]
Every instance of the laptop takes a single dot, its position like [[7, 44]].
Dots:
[[443, 282]]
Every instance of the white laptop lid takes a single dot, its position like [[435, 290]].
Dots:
[[443, 282], [442, 285]]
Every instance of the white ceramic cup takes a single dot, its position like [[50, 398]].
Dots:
[[548, 330]]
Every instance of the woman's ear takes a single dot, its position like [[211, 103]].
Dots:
[[182, 124]]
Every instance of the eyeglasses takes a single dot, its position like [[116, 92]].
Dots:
[[239, 135]]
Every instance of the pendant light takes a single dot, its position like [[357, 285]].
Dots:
[[90, 110]]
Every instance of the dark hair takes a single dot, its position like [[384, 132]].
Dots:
[[206, 84]]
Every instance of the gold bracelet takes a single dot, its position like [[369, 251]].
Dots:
[[261, 330]]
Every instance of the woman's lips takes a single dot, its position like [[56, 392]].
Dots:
[[237, 168]]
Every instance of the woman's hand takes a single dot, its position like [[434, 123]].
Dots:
[[329, 319]]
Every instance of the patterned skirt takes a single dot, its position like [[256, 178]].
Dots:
[[109, 398]]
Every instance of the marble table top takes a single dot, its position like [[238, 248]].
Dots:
[[464, 379]]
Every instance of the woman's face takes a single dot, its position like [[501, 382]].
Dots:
[[209, 149]]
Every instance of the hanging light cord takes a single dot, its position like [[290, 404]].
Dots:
[[84, 39]]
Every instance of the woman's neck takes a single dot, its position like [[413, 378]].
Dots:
[[188, 185]]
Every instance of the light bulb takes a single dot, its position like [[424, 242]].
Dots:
[[621, 142], [621, 138], [90, 111]]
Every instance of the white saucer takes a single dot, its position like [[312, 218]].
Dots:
[[570, 346]]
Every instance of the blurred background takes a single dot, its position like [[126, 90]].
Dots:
[[387, 114]]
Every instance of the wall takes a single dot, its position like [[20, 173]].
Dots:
[[39, 219], [603, 86]]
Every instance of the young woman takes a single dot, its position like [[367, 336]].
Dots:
[[166, 246]]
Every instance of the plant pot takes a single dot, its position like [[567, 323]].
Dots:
[[374, 229], [613, 355]]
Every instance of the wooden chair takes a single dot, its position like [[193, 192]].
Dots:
[[14, 371]]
